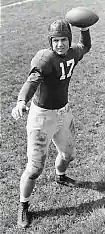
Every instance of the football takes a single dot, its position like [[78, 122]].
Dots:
[[81, 17]]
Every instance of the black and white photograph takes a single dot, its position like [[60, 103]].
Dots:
[[52, 117]]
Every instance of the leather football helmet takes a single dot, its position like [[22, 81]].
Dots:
[[59, 28]]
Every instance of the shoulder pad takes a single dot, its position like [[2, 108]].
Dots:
[[42, 61], [77, 51]]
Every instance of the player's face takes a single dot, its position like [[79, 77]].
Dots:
[[60, 45]]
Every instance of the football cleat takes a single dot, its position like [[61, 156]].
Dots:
[[23, 219], [64, 180]]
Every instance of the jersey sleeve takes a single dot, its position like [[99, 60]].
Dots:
[[29, 87], [40, 68], [83, 45], [42, 62]]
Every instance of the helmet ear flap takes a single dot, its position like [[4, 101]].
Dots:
[[50, 41], [68, 25]]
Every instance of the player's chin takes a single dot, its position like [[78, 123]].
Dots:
[[61, 52]]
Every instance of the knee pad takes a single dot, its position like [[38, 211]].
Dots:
[[66, 157], [69, 155], [34, 170]]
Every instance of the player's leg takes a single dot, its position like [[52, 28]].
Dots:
[[64, 140], [40, 128], [37, 150]]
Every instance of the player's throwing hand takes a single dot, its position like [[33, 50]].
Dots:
[[19, 109]]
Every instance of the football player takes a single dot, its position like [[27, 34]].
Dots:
[[50, 116]]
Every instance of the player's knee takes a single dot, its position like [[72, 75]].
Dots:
[[67, 157], [34, 170], [70, 154]]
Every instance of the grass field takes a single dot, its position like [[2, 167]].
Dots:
[[75, 209]]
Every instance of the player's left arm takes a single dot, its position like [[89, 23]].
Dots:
[[83, 45], [85, 40]]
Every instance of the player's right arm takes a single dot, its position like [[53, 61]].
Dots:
[[26, 93], [40, 68]]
